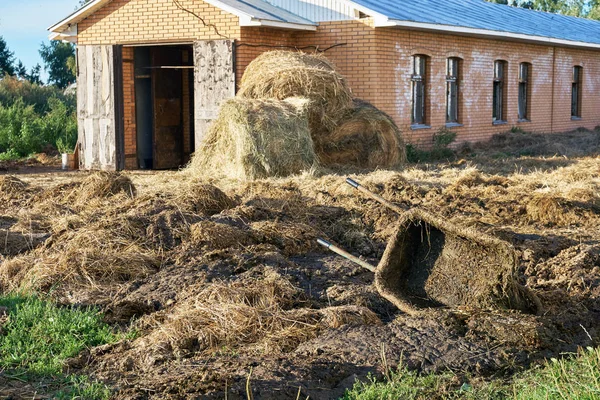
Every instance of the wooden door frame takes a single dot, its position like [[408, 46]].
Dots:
[[119, 97]]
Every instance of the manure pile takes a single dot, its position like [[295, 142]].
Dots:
[[293, 113], [219, 278]]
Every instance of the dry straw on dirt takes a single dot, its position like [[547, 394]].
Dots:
[[283, 74], [253, 139], [11, 185], [257, 315], [13, 243], [429, 263], [101, 185], [366, 137]]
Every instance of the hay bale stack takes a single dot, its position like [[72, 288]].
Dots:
[[283, 74], [366, 137], [253, 139]]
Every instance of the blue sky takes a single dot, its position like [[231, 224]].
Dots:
[[23, 25]]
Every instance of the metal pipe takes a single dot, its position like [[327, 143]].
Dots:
[[374, 196], [346, 255]]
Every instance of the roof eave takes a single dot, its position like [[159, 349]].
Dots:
[[277, 24], [86, 10], [486, 33]]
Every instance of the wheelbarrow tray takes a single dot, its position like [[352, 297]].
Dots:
[[430, 262]]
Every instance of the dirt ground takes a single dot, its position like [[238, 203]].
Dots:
[[227, 287]]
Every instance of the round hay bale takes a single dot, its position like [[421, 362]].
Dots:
[[283, 74], [366, 137], [253, 139]]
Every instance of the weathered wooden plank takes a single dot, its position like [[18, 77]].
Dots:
[[96, 108], [214, 81]]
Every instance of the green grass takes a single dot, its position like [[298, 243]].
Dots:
[[39, 336], [575, 378]]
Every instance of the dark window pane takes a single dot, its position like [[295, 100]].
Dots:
[[498, 94], [452, 86], [576, 92], [418, 88]]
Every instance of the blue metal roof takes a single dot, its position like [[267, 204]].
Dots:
[[260, 9], [480, 14]]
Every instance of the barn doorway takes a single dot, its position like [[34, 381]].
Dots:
[[164, 78]]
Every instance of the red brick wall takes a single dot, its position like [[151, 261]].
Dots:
[[155, 21], [129, 109], [377, 65]]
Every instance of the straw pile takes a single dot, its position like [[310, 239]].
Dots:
[[256, 315], [365, 137], [252, 139], [283, 74]]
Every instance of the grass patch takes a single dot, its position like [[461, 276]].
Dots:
[[572, 378], [39, 336]]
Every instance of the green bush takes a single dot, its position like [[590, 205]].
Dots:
[[33, 117], [24, 130], [440, 150], [13, 89]]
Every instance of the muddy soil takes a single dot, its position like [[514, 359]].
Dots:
[[227, 288]]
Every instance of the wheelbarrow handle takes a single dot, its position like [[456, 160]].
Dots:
[[374, 196], [346, 255]]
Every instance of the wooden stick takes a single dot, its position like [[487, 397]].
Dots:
[[374, 196], [346, 255]]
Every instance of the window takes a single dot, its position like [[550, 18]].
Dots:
[[452, 81], [499, 103], [524, 74], [418, 89], [576, 93]]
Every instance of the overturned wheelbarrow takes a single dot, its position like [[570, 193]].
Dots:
[[430, 262]]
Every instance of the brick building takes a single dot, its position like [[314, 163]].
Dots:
[[151, 73]]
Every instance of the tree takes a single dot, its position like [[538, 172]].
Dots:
[[34, 75], [56, 56], [7, 59], [20, 70]]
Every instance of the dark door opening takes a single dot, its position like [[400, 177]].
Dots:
[[164, 106]]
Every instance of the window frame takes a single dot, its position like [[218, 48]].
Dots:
[[524, 93], [453, 78], [576, 92], [419, 99], [499, 92]]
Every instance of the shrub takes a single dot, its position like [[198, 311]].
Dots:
[[440, 150], [32, 117]]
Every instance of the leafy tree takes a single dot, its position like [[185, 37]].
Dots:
[[34, 75], [7, 59], [20, 70], [56, 56]]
